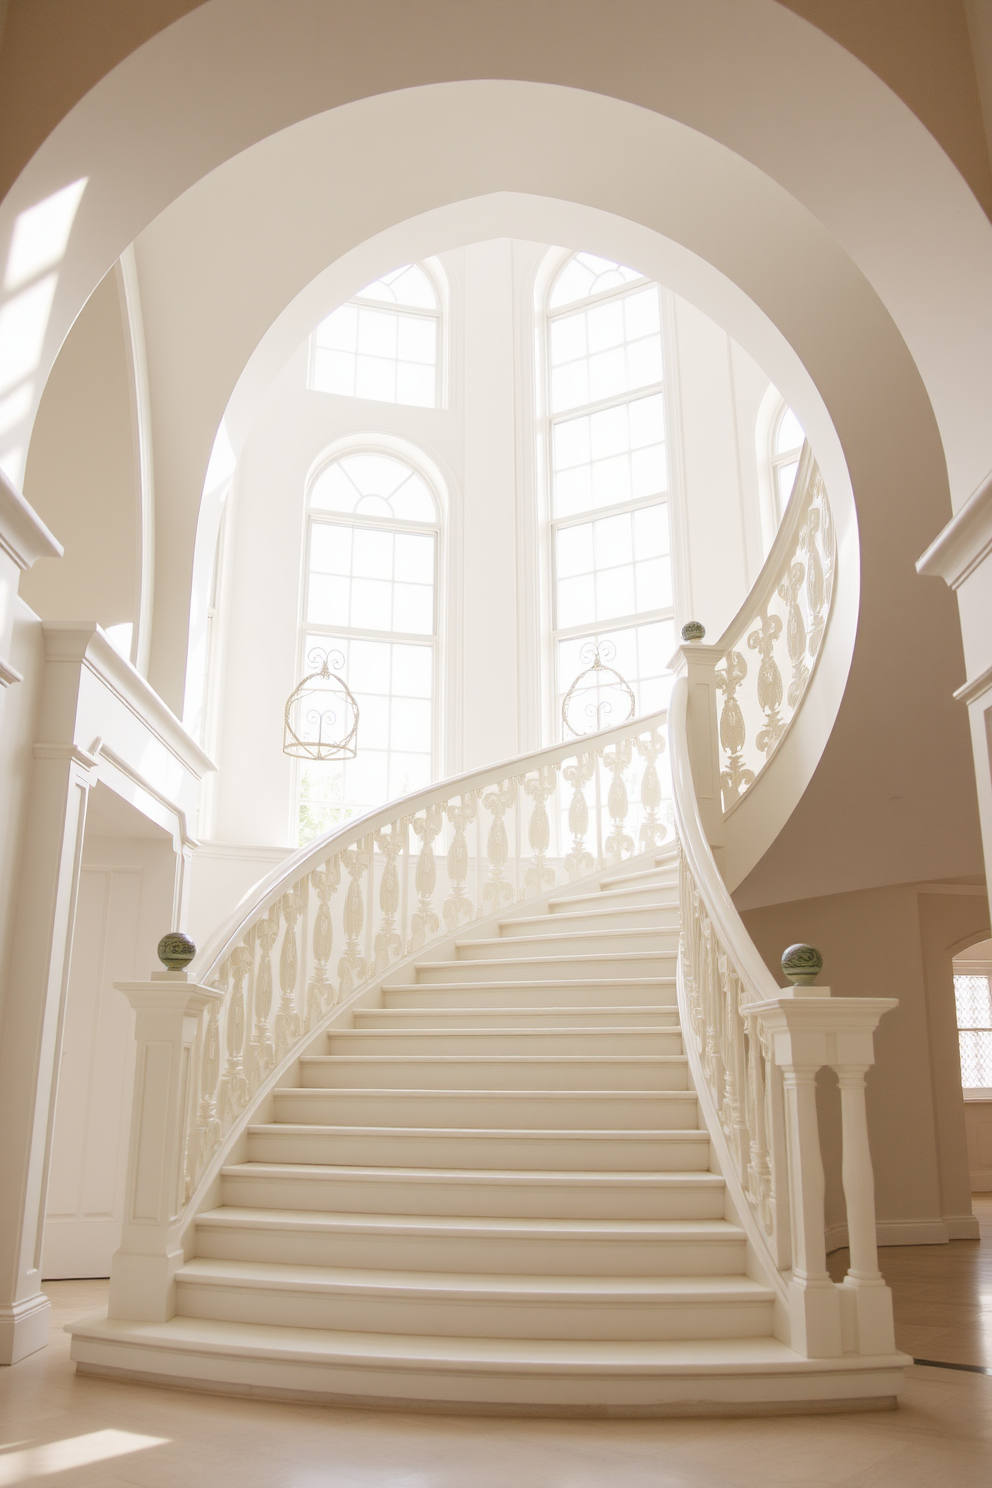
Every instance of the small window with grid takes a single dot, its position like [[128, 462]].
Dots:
[[973, 998]]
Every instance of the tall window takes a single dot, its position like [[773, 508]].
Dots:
[[384, 344], [974, 1009], [787, 445], [371, 593], [611, 547]]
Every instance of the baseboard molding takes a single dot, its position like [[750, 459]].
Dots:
[[24, 1327], [962, 1227], [909, 1232]]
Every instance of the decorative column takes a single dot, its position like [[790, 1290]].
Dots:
[[808, 1029], [697, 663], [167, 1008]]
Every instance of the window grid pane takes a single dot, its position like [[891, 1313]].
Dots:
[[973, 1001], [611, 348], [364, 351]]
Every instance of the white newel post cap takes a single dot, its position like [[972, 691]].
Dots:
[[810, 1027]]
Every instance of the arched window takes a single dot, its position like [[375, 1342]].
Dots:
[[371, 593], [611, 548], [787, 444], [384, 344]]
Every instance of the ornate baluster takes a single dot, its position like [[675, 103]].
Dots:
[[352, 967], [617, 801], [578, 861], [263, 1054], [289, 1023], [424, 921], [795, 631], [815, 589], [759, 1173], [234, 1086], [736, 777], [497, 887], [320, 995], [458, 906], [653, 832], [769, 687], [544, 784], [205, 1138], [388, 942]]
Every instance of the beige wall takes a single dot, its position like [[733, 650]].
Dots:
[[895, 942], [81, 474]]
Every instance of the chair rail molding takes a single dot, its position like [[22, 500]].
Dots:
[[98, 720]]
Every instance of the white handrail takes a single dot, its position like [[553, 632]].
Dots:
[[720, 971]]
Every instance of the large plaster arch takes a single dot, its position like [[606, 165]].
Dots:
[[746, 73]]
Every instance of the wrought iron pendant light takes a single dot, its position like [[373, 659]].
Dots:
[[321, 713], [597, 694]]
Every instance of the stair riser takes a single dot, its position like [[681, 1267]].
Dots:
[[552, 968], [540, 1153], [398, 1195], [509, 1044], [644, 1319], [475, 1020], [632, 917], [340, 1073], [512, 1257], [663, 894], [595, 942], [607, 1111], [525, 994]]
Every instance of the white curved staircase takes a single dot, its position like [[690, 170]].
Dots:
[[491, 1192]]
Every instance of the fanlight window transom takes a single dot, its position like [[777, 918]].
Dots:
[[384, 344]]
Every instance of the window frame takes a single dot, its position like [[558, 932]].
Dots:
[[549, 419], [776, 460], [982, 970], [309, 631], [438, 315]]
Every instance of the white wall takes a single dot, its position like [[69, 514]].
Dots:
[[485, 443]]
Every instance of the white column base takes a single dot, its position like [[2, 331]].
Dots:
[[24, 1328], [815, 1314], [866, 1308], [142, 1287]]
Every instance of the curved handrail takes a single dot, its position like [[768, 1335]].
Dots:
[[783, 620], [382, 889], [720, 972]]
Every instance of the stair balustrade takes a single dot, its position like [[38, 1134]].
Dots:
[[367, 897], [767, 654], [754, 1051]]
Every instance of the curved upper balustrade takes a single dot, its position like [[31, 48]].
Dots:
[[783, 621], [383, 888]]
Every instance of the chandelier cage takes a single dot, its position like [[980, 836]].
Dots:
[[599, 695], [322, 713]]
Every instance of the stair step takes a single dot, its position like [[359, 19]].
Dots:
[[447, 1042], [540, 1376], [467, 1305], [594, 965], [471, 1018], [449, 1243], [666, 894], [476, 1147], [570, 942], [657, 991], [557, 1110], [648, 916], [496, 1072], [481, 1193]]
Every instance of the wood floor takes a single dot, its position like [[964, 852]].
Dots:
[[74, 1432]]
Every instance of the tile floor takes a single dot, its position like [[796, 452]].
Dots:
[[73, 1432]]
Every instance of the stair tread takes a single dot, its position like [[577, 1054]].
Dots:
[[476, 1285], [587, 915], [636, 1134], [591, 1009], [419, 1092], [515, 1059], [582, 935], [654, 1230], [505, 1355], [531, 1177], [631, 957]]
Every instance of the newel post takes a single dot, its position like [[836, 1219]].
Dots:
[[698, 663], [167, 1008], [809, 1029]]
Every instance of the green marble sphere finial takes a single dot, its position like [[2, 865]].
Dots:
[[693, 630], [802, 965], [176, 951]]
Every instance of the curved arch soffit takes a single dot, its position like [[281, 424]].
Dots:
[[746, 75]]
